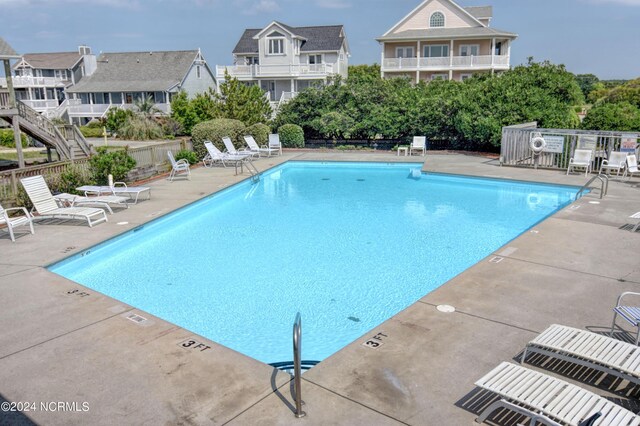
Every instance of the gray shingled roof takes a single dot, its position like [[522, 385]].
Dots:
[[52, 61], [321, 38], [480, 12], [446, 33], [6, 51], [137, 71]]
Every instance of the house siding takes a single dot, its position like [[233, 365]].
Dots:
[[194, 85], [453, 18]]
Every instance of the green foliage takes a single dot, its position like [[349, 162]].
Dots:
[[140, 129], [260, 133], [117, 163], [291, 136], [587, 83], [621, 116], [183, 113], [71, 178], [242, 102], [170, 127], [7, 138], [468, 114], [95, 124], [145, 107], [91, 132], [116, 118], [628, 92], [188, 155], [214, 131]]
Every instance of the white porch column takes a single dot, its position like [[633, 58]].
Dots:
[[382, 61], [509, 52], [493, 54], [451, 60], [293, 86], [418, 63]]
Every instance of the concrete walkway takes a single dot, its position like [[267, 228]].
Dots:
[[61, 342]]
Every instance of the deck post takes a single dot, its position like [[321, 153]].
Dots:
[[12, 93], [18, 139]]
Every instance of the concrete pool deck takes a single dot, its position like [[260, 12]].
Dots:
[[61, 342]]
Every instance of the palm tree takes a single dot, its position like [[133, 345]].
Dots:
[[146, 107]]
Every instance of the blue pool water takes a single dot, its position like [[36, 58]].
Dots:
[[346, 244]]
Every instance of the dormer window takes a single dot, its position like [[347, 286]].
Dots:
[[437, 20], [275, 42]]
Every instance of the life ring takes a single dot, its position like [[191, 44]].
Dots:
[[537, 144]]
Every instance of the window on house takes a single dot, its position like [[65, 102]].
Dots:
[[315, 59], [252, 60], [436, 51], [439, 77], [276, 46], [464, 77], [405, 52], [469, 50], [437, 20], [498, 48], [198, 73]]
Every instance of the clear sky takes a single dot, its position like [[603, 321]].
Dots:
[[588, 36]]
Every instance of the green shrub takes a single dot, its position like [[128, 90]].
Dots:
[[6, 139], [170, 127], [91, 132], [104, 163], [291, 136], [346, 147], [214, 131], [140, 129], [95, 124], [260, 133], [190, 156], [622, 116], [71, 178], [116, 117]]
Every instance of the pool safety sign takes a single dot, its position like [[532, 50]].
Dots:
[[587, 142], [628, 142], [554, 144]]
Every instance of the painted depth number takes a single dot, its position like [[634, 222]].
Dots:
[[375, 342], [194, 344], [77, 292]]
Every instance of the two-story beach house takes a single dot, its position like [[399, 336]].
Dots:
[[40, 79], [441, 40], [122, 78], [285, 60]]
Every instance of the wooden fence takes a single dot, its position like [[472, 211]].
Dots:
[[516, 149], [152, 157]]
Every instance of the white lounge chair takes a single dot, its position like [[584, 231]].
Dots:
[[635, 216], [253, 147], [274, 142], [419, 143], [582, 347], [629, 313], [582, 158], [233, 151], [178, 167], [632, 166], [214, 155], [102, 201], [617, 161], [47, 208], [549, 400], [15, 221], [118, 188]]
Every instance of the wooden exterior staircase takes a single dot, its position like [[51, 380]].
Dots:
[[66, 139]]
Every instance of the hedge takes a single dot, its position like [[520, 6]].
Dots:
[[260, 133], [214, 131], [7, 139], [291, 136]]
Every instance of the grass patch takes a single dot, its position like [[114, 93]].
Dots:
[[13, 156]]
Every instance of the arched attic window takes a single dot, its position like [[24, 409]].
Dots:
[[437, 20]]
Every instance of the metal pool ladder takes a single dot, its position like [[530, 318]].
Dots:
[[604, 185], [255, 174], [297, 365]]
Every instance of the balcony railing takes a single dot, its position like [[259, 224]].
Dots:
[[446, 63], [28, 81], [251, 71], [41, 105]]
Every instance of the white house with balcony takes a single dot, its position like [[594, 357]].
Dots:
[[122, 78], [285, 60], [40, 79], [441, 40]]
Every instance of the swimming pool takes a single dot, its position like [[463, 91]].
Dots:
[[346, 244]]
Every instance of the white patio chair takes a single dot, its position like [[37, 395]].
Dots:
[[582, 347], [253, 147], [233, 151], [274, 142], [419, 143], [15, 221], [617, 162], [582, 158], [632, 166], [47, 208], [118, 188], [178, 167], [102, 201], [214, 155], [629, 313], [549, 400]]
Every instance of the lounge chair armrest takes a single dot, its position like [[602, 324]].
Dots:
[[605, 162], [117, 184], [26, 213], [91, 193], [626, 293]]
